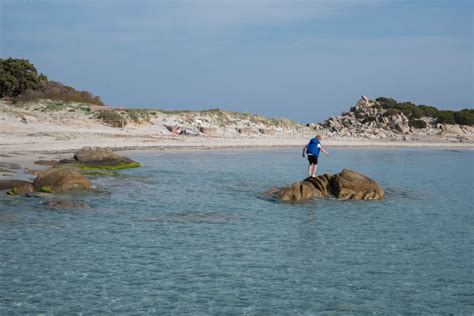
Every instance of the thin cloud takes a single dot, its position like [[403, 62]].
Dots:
[[213, 14]]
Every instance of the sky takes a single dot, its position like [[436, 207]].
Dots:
[[301, 59]]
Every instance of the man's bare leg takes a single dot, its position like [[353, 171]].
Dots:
[[314, 171], [309, 169]]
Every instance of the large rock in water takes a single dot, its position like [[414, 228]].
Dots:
[[57, 180], [350, 185], [103, 158], [346, 185]]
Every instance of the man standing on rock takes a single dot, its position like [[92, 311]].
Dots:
[[312, 149]]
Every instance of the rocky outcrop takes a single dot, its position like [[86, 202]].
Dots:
[[102, 158], [368, 119], [57, 180], [346, 185]]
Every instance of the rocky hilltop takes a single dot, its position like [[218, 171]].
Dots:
[[384, 119]]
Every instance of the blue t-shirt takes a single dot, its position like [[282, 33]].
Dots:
[[313, 147]]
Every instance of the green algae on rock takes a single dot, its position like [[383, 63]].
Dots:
[[21, 189], [97, 158], [109, 167], [45, 189]]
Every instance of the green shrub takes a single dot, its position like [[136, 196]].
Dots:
[[377, 106], [464, 117], [112, 118], [53, 106], [20, 80], [391, 112], [18, 76], [429, 111], [446, 117], [386, 103], [138, 115], [417, 123], [413, 111], [416, 112], [53, 90]]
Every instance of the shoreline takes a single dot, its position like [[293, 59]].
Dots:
[[369, 144], [213, 146], [25, 159]]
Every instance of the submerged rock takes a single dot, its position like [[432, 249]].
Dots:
[[346, 185], [59, 204], [56, 180], [45, 162]]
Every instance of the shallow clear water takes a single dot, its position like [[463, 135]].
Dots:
[[191, 233]]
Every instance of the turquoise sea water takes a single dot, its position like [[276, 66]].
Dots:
[[192, 233]]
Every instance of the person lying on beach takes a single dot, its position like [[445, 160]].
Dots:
[[312, 149]]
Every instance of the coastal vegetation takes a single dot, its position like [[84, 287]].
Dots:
[[415, 112], [21, 82]]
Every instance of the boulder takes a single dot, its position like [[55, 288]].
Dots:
[[346, 185], [10, 184], [21, 189], [103, 158], [350, 185], [362, 102], [296, 192], [56, 180], [452, 129]]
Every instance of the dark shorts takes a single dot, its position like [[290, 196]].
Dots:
[[313, 159]]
